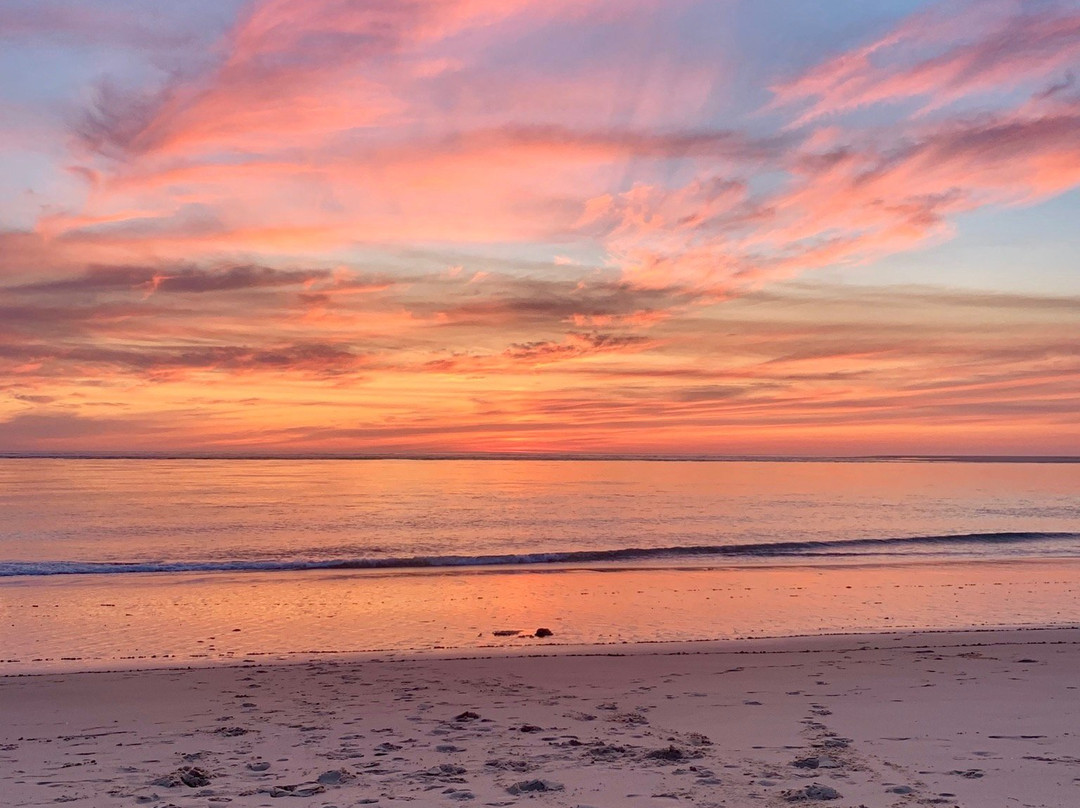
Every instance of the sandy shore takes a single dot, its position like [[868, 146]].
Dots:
[[979, 719]]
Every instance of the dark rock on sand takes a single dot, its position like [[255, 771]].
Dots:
[[671, 753], [509, 632], [900, 790], [231, 732], [468, 715], [544, 632], [812, 792], [526, 786], [190, 776], [530, 728], [259, 766], [822, 762], [335, 777], [194, 777]]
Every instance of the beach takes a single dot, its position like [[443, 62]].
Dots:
[[974, 718], [187, 634]]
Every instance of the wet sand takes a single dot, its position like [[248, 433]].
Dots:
[[100, 622], [980, 718]]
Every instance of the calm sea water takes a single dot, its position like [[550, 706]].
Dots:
[[62, 516], [107, 560]]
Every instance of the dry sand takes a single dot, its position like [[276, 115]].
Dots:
[[980, 719]]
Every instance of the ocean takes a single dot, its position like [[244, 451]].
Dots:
[[184, 561]]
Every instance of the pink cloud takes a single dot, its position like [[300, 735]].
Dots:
[[853, 203], [951, 53], [277, 220], [327, 123], [295, 69], [317, 161]]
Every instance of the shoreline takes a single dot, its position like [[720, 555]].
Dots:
[[673, 563], [981, 717], [201, 620], [711, 646]]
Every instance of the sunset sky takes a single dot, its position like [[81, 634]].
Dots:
[[646, 226]]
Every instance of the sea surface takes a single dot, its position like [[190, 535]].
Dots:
[[173, 561]]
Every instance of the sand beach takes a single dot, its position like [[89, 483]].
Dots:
[[977, 718]]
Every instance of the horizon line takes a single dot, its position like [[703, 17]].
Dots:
[[558, 456]]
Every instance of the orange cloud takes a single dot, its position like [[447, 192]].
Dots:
[[260, 252]]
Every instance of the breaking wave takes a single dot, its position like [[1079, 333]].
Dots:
[[780, 549]]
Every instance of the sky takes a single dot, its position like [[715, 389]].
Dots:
[[769, 227]]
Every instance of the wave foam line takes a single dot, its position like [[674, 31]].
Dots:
[[765, 550]]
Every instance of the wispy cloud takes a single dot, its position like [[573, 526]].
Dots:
[[180, 279], [951, 52], [479, 223]]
